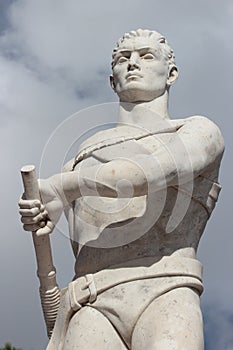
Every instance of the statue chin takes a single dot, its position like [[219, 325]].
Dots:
[[139, 95]]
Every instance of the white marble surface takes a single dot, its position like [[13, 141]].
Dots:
[[138, 193]]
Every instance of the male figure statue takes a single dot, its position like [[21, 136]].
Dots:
[[137, 198]]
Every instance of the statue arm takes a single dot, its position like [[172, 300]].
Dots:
[[196, 145], [203, 142]]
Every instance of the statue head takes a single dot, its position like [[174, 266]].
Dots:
[[143, 66]]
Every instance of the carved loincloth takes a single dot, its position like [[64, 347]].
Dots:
[[132, 287]]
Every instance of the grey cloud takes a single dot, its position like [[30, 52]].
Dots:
[[4, 20], [218, 327]]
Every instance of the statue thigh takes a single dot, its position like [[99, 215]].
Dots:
[[89, 329], [171, 322]]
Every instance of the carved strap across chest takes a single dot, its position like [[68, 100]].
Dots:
[[121, 137]]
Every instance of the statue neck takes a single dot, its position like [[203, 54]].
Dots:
[[144, 113]]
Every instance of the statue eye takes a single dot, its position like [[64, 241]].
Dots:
[[122, 59], [148, 56]]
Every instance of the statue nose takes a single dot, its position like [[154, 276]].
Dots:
[[133, 64]]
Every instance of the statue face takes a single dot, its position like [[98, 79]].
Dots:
[[140, 72]]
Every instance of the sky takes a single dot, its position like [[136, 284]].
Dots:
[[54, 62]]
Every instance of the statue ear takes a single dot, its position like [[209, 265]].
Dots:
[[173, 75], [112, 83]]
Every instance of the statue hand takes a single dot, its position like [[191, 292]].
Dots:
[[41, 216]]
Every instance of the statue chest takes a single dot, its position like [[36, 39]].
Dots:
[[131, 148]]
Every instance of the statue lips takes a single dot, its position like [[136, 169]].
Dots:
[[133, 75]]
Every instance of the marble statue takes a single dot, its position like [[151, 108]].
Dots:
[[137, 198]]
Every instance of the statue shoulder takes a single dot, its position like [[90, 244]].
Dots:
[[199, 120], [201, 125]]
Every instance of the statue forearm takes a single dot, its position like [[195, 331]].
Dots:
[[72, 185], [117, 178]]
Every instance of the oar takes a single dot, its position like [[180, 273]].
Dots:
[[49, 291]]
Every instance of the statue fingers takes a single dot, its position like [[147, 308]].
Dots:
[[29, 204], [29, 212], [31, 220], [32, 227], [47, 229]]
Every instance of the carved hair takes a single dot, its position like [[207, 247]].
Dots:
[[165, 50]]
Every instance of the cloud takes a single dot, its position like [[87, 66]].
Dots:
[[218, 328]]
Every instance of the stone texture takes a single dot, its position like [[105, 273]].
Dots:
[[137, 198]]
